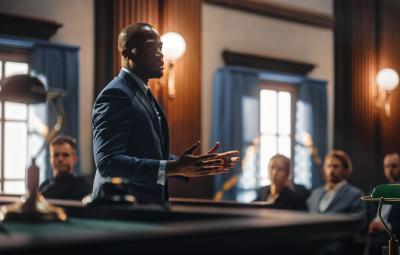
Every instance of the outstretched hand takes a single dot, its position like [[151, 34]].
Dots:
[[212, 163], [190, 165], [230, 158]]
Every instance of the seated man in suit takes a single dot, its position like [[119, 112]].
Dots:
[[337, 196], [130, 129], [279, 195], [390, 213], [64, 184]]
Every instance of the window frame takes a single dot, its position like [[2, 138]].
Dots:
[[293, 89], [8, 54]]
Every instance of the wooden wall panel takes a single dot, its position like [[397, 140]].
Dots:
[[389, 56], [184, 17], [132, 11], [363, 68], [366, 39]]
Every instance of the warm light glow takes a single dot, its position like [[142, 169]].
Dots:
[[387, 79], [173, 46]]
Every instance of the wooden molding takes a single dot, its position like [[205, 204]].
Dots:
[[266, 63], [104, 46], [278, 11], [16, 25]]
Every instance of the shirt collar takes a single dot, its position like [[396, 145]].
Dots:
[[336, 187], [143, 86]]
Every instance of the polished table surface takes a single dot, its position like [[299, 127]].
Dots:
[[187, 226]]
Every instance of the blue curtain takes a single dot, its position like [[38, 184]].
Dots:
[[230, 85], [312, 119], [230, 115], [60, 65]]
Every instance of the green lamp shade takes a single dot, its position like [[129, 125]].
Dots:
[[22, 88], [387, 191]]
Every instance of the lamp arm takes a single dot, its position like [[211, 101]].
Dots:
[[383, 222], [57, 126]]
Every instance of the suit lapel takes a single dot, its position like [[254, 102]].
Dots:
[[144, 100], [339, 194], [162, 131]]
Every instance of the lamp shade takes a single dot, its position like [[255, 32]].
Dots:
[[173, 45], [386, 191], [22, 88], [387, 79]]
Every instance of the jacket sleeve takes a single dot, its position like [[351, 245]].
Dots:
[[112, 122]]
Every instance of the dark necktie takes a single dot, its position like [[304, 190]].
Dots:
[[156, 110], [154, 104], [150, 96]]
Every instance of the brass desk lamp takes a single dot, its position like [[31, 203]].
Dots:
[[386, 194], [32, 207]]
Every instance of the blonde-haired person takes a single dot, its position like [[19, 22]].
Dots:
[[279, 194], [337, 195]]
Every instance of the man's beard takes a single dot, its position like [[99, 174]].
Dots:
[[151, 73]]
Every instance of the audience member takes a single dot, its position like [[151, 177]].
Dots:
[[337, 196], [64, 184], [390, 213], [279, 195]]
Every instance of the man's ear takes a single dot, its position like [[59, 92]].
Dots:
[[127, 53]]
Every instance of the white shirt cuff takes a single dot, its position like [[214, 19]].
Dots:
[[161, 172]]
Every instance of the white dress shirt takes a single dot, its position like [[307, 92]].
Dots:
[[329, 195]]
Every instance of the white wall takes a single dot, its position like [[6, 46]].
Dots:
[[254, 34], [321, 6], [77, 17]]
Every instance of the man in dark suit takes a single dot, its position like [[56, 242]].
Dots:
[[390, 213], [64, 184], [130, 130]]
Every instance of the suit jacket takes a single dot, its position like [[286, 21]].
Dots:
[[346, 200], [66, 186], [287, 199], [128, 140], [394, 219]]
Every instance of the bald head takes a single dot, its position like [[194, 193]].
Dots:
[[135, 35], [140, 48], [391, 165]]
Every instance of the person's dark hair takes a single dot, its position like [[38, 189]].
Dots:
[[62, 139], [343, 158], [133, 36]]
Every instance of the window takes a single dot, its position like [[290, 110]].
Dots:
[[276, 127], [14, 136], [15, 119], [276, 108]]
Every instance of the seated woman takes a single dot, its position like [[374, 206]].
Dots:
[[280, 195]]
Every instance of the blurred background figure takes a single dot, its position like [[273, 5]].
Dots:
[[280, 194], [64, 184], [337, 196], [390, 213]]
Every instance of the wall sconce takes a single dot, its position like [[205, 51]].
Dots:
[[387, 80], [173, 48]]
